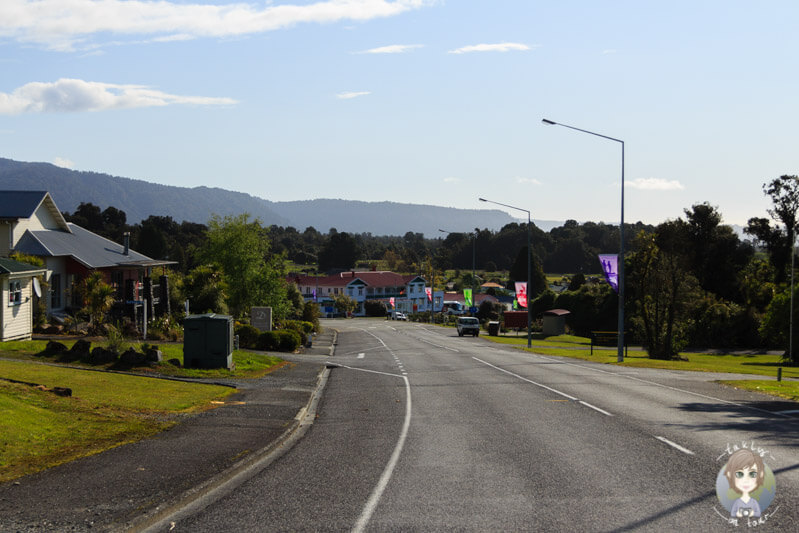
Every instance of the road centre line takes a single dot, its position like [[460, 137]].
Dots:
[[595, 408], [388, 471], [675, 445], [588, 367]]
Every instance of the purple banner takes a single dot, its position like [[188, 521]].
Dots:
[[610, 267]]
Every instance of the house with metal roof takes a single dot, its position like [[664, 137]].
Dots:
[[18, 287], [31, 223], [404, 293]]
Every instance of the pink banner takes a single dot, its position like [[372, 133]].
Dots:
[[610, 267], [429, 292], [391, 301], [521, 293]]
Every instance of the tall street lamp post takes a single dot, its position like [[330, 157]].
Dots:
[[474, 238], [529, 270], [620, 356]]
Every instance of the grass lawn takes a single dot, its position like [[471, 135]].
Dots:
[[247, 364], [755, 364], [39, 430]]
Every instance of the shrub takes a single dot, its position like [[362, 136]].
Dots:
[[279, 341], [248, 335], [375, 308]]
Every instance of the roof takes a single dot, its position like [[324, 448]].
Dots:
[[370, 278], [557, 312], [9, 266], [15, 205], [20, 204], [491, 285], [89, 249]]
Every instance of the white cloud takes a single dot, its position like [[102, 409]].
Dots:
[[71, 95], [352, 94], [500, 47], [63, 162], [69, 24], [608, 51], [392, 49], [451, 179], [655, 184], [528, 181]]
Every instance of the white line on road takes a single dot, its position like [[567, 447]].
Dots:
[[517, 376], [618, 374], [674, 445], [595, 408], [361, 355]]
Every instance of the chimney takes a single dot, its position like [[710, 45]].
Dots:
[[126, 237], [353, 273]]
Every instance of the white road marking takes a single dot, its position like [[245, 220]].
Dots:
[[675, 445], [361, 355], [618, 374], [517, 376], [388, 471], [595, 408]]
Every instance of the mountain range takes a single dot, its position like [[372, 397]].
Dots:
[[139, 199]]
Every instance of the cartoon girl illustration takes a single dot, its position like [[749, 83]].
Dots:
[[745, 473]]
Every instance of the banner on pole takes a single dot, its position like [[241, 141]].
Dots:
[[521, 293], [429, 292], [610, 267], [467, 295], [391, 301]]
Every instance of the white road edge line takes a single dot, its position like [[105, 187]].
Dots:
[[517, 376], [388, 471], [625, 376], [675, 445], [595, 408]]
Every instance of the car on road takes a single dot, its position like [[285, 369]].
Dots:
[[399, 316], [468, 325]]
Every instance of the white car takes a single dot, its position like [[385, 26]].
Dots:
[[400, 316], [468, 325]]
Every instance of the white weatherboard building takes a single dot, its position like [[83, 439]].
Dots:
[[409, 292]]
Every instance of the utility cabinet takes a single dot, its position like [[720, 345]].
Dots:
[[208, 341]]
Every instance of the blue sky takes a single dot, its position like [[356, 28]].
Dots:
[[426, 102]]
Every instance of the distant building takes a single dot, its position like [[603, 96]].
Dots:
[[408, 292]]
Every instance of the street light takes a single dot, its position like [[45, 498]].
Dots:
[[620, 357], [474, 238], [529, 270]]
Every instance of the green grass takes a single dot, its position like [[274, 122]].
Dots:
[[579, 348], [39, 430], [784, 389], [247, 364]]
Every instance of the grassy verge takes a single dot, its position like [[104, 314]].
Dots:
[[755, 364], [39, 430], [247, 364]]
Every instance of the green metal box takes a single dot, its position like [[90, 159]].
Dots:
[[208, 341]]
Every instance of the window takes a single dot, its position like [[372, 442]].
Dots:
[[55, 291], [14, 292]]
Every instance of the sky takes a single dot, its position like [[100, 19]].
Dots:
[[415, 101]]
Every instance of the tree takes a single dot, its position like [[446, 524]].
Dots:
[[206, 290], [344, 304], [340, 251], [99, 296], [784, 194], [518, 272], [663, 292], [255, 276]]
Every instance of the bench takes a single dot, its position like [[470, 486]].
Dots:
[[607, 338]]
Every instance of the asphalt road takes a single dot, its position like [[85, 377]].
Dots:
[[421, 430]]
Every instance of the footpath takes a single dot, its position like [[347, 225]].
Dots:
[[140, 485]]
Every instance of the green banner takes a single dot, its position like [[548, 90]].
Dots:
[[467, 295]]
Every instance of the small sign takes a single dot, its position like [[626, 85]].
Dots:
[[261, 318]]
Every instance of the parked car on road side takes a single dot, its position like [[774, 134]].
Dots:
[[468, 325]]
